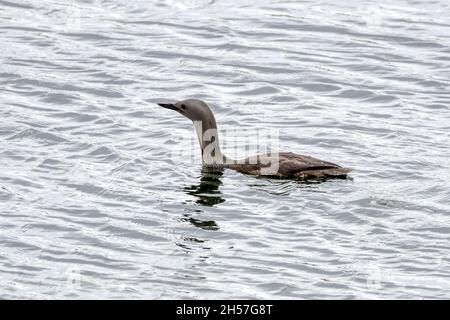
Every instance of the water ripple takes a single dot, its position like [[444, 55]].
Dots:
[[102, 192]]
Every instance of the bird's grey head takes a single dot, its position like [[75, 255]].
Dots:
[[196, 110]]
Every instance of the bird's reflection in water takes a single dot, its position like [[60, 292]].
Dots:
[[202, 224], [208, 194], [207, 191]]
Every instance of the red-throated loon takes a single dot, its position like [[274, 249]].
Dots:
[[280, 165]]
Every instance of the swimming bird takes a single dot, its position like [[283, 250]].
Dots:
[[277, 165]]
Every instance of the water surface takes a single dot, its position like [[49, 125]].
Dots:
[[102, 193]]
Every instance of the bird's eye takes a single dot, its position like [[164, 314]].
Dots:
[[183, 106]]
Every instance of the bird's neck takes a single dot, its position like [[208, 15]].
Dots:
[[208, 138]]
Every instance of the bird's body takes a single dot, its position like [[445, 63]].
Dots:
[[286, 165]]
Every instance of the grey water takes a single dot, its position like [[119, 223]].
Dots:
[[102, 193]]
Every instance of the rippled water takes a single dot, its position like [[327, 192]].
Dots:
[[98, 200]]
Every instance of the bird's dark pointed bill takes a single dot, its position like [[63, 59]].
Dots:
[[168, 106]]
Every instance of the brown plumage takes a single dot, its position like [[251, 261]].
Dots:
[[286, 165]]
